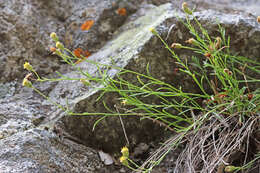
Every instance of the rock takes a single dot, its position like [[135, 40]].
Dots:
[[249, 6], [26, 148], [125, 50], [24, 36], [7, 89], [41, 151], [140, 149], [105, 158], [26, 26], [133, 48]]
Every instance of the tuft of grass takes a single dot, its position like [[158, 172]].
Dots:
[[211, 132]]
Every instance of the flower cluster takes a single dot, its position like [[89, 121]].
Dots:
[[26, 82], [125, 155]]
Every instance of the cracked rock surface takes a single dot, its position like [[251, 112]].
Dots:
[[27, 145]]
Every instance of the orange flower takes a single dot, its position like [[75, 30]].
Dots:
[[53, 49], [86, 53], [78, 52], [87, 25], [81, 54], [121, 11]]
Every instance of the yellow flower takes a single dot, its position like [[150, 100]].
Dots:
[[152, 30], [54, 37], [125, 152], [186, 9], [123, 160], [27, 66], [27, 83], [258, 19], [59, 45]]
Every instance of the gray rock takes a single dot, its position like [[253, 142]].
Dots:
[[124, 51], [26, 25], [7, 89], [133, 49], [249, 6], [24, 36], [41, 151], [26, 148]]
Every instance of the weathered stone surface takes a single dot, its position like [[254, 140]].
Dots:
[[26, 148], [26, 25], [41, 151], [249, 6], [7, 90], [133, 49], [24, 36], [124, 50]]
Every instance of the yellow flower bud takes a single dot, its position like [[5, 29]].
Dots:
[[125, 152], [192, 41], [54, 37], [59, 45], [27, 66], [231, 168], [152, 30], [258, 19], [123, 160], [176, 46], [27, 83], [218, 43], [186, 9]]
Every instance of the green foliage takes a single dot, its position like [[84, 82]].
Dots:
[[212, 66]]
